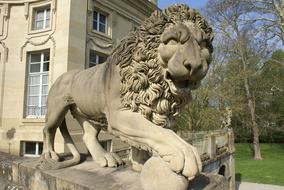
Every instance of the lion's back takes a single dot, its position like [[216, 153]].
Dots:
[[63, 84]]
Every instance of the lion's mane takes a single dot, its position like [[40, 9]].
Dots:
[[143, 87]]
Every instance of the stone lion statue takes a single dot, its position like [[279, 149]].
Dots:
[[136, 94]]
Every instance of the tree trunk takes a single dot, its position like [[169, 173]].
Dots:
[[251, 106]]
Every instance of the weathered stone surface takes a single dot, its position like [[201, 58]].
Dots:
[[89, 176], [8, 170], [156, 175]]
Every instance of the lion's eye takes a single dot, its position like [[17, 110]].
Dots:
[[172, 42]]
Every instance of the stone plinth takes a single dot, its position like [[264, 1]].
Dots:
[[21, 173], [85, 176]]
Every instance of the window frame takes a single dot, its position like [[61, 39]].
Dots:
[[98, 21], [41, 73], [24, 154], [45, 9], [98, 55], [34, 7]]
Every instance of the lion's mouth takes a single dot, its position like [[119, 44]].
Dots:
[[178, 87]]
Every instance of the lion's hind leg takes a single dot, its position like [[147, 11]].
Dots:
[[56, 118], [90, 138], [50, 160]]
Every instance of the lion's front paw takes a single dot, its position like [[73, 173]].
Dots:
[[181, 157], [192, 164], [175, 159]]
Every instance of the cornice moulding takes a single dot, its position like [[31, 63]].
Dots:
[[137, 4], [19, 1], [121, 11]]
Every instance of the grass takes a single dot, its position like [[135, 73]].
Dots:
[[270, 170]]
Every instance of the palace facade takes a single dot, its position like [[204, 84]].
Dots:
[[42, 39]]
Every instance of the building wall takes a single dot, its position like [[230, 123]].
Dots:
[[69, 39], [19, 40]]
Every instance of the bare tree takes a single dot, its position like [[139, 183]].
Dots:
[[269, 14]]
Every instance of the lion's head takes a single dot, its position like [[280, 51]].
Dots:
[[162, 61]]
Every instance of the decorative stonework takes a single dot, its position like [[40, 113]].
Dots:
[[6, 51], [29, 3], [6, 10], [29, 41], [100, 45], [54, 5], [26, 10], [4, 24]]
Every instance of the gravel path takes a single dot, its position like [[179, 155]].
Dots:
[[257, 186]]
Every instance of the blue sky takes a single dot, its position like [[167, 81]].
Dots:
[[192, 3]]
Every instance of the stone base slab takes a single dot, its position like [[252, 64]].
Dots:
[[21, 174]]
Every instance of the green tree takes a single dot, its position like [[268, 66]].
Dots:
[[238, 75], [270, 97]]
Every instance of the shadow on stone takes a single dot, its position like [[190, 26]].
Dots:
[[238, 180], [68, 156], [208, 182]]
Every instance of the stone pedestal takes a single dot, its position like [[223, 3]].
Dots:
[[156, 175], [21, 173]]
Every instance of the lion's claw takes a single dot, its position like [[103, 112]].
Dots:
[[109, 159]]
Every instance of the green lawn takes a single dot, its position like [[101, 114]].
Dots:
[[270, 170]]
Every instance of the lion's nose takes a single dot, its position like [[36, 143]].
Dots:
[[192, 68], [187, 66]]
